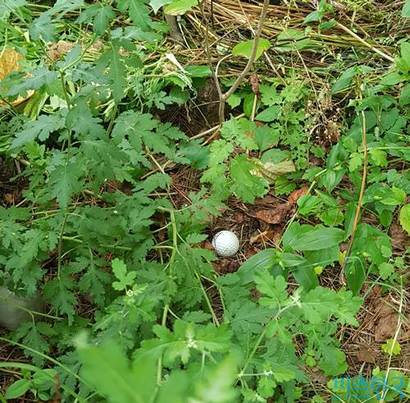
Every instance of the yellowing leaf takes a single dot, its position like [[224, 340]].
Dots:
[[245, 48], [10, 62]]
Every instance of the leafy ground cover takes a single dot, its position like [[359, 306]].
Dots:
[[120, 161]]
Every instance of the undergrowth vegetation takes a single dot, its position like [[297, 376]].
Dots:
[[133, 306]]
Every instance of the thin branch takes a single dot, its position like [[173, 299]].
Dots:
[[378, 51], [248, 66], [208, 52]]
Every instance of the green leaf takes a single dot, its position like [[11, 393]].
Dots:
[[302, 238], [345, 80], [108, 370], [157, 4], [102, 19], [391, 347], [333, 362], [234, 100], [405, 218], [40, 128], [269, 114], [272, 288], [138, 12], [245, 48], [246, 185], [124, 279], [198, 71], [18, 388], [261, 261], [179, 7], [65, 182], [405, 12], [355, 273], [386, 270], [117, 74], [405, 95]]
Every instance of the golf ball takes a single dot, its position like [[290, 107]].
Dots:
[[226, 243]]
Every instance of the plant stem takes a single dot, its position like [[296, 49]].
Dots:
[[362, 189], [248, 66], [378, 51]]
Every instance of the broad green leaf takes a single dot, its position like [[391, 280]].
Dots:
[[306, 276], [198, 71], [263, 260], [18, 388], [234, 100], [355, 273], [291, 40], [386, 270], [405, 218], [269, 114], [179, 7], [314, 238], [245, 48]]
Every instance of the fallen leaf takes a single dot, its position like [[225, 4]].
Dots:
[[400, 240], [297, 194], [366, 354], [265, 236], [386, 324], [276, 215], [9, 62]]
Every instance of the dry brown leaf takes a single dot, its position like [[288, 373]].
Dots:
[[400, 240], [366, 354], [265, 236], [297, 194], [276, 215], [386, 325], [9, 62], [58, 49]]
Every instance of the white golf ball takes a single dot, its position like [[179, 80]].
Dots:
[[226, 243]]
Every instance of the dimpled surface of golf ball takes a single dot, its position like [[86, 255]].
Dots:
[[226, 243]]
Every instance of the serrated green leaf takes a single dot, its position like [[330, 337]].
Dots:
[[124, 278], [246, 185], [40, 128]]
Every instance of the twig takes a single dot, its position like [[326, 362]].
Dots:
[[378, 51], [248, 66], [362, 189]]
